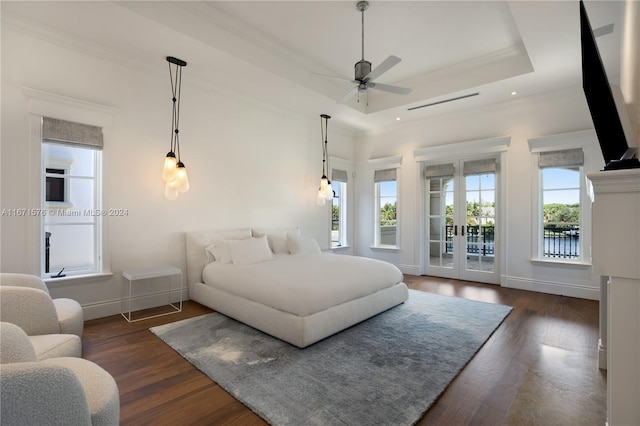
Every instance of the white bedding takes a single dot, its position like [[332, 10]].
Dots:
[[301, 298], [303, 284]]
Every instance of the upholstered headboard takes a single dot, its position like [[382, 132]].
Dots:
[[196, 242]]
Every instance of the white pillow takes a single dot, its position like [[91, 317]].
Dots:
[[219, 251], [277, 238], [249, 251], [302, 244], [208, 251]]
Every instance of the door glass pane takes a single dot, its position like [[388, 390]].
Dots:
[[441, 210], [480, 222]]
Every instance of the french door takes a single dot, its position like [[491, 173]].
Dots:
[[460, 220]]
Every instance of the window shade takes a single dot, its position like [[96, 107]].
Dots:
[[339, 175], [479, 167], [438, 170], [70, 133], [567, 157], [385, 175]]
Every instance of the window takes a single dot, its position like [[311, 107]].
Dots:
[[71, 200], [561, 210], [386, 196], [55, 190], [339, 208]]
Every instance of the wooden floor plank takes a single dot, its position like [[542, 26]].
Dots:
[[546, 347]]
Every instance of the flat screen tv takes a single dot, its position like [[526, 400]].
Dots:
[[605, 113]]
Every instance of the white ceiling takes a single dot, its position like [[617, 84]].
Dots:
[[273, 50]]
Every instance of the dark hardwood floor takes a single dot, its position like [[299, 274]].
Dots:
[[538, 368]]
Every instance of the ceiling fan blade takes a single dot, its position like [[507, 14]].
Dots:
[[389, 88], [333, 76], [384, 66], [348, 96]]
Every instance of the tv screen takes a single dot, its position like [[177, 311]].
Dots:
[[602, 105]]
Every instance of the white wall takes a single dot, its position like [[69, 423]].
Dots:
[[249, 164], [521, 119]]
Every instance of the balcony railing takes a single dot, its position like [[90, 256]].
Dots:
[[561, 241], [479, 239]]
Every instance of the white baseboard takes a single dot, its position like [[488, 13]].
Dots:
[[115, 307], [409, 269], [602, 355], [562, 289]]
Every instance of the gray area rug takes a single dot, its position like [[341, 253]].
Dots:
[[387, 370]]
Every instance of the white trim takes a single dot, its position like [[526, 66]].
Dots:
[[550, 287], [377, 233], [556, 261], [41, 104], [583, 139], [394, 162], [500, 218], [349, 237], [113, 306], [65, 108], [409, 269], [569, 140], [471, 149], [77, 279], [341, 163], [616, 181]]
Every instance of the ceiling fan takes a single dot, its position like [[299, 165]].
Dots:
[[364, 76]]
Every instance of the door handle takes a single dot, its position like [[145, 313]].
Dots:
[[455, 230], [462, 230]]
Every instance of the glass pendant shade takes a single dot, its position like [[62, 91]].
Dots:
[[321, 199], [324, 182], [181, 177], [171, 190], [329, 192], [169, 170]]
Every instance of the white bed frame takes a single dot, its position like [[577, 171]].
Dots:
[[294, 329]]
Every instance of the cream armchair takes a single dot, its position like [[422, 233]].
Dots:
[[56, 391], [54, 326]]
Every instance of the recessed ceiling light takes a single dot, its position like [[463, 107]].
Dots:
[[514, 93], [397, 118]]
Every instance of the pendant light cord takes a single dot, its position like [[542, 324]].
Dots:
[[176, 85], [325, 152]]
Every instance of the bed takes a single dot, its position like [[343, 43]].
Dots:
[[289, 289]]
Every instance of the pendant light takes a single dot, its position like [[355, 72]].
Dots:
[[325, 192], [174, 172]]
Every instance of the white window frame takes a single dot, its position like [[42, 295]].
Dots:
[[346, 213], [45, 104], [587, 141], [342, 215], [51, 210], [384, 164]]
